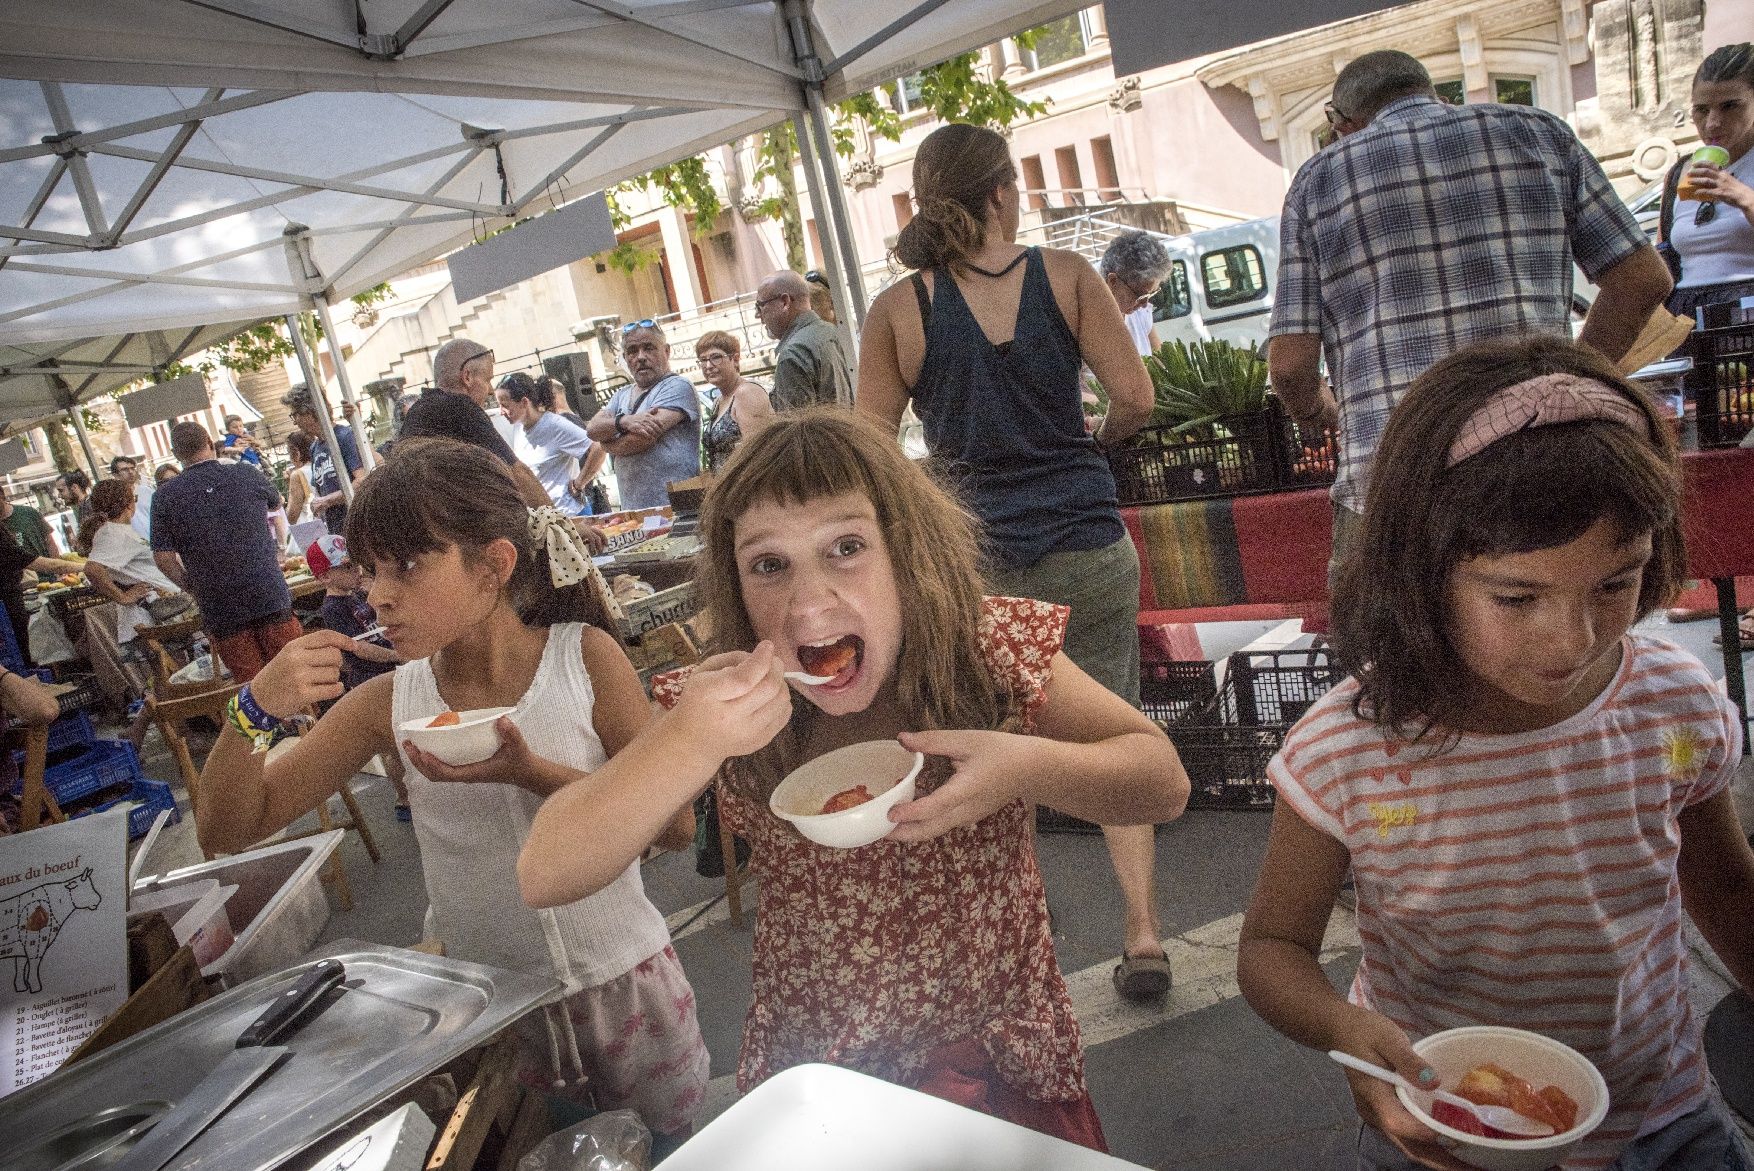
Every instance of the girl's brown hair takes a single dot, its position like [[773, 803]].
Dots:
[[955, 170], [108, 498], [430, 494], [1535, 489], [942, 680]]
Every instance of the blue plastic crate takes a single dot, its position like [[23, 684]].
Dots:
[[104, 764], [151, 797], [10, 658], [71, 730]]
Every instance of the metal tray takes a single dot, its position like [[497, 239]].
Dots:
[[404, 1015]]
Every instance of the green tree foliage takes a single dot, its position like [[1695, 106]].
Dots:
[[952, 91]]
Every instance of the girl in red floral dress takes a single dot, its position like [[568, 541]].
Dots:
[[925, 958]]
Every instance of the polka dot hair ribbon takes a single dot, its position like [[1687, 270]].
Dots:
[[569, 558], [1541, 402]]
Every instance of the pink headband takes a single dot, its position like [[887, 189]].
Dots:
[[1540, 402]]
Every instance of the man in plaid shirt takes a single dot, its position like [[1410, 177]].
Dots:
[[1429, 226]]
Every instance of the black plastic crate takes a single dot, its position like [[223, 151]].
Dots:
[[1722, 383], [1174, 690], [1231, 456], [1226, 746], [1309, 457]]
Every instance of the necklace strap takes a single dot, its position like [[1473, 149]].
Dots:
[[1015, 261]]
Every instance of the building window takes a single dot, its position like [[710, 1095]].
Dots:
[[904, 94], [1514, 91], [1174, 298], [1108, 180], [1035, 182], [1057, 42], [1233, 275], [1071, 178], [904, 209], [1451, 91]]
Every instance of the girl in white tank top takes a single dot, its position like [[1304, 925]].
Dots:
[[466, 587]]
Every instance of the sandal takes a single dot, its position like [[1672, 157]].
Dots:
[[1141, 978], [1745, 628]]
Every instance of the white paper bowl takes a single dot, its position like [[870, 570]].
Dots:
[[873, 764], [472, 738], [1542, 1061]]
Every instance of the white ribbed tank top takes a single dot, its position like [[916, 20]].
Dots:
[[470, 836]]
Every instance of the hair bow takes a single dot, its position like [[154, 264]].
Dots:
[[569, 558], [1541, 402]]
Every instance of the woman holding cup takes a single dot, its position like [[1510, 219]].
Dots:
[[1711, 229]]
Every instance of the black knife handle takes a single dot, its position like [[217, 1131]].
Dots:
[[290, 1006]]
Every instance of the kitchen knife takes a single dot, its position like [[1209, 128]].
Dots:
[[251, 1060]]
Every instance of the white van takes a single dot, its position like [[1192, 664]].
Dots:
[[1220, 284]]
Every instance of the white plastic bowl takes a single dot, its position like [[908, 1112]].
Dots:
[[873, 764], [1542, 1061], [472, 738]]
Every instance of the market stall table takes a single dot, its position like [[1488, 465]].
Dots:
[[1267, 556]]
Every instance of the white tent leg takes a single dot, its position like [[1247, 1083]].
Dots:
[[84, 442], [321, 402], [367, 457], [838, 284], [840, 220]]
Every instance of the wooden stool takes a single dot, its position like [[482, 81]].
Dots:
[[38, 804]]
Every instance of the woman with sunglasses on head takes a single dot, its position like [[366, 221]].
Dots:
[[1710, 226], [743, 404]]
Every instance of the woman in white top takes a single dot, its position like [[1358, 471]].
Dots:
[[556, 448], [120, 564], [298, 478], [1714, 231]]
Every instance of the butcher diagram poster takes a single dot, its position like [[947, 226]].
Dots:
[[63, 941]]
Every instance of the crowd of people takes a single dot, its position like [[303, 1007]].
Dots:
[[1523, 792]]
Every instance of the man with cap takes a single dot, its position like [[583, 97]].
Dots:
[[210, 536], [327, 500], [454, 408]]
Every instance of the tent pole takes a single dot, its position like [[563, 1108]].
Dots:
[[321, 402], [84, 442], [814, 139], [367, 457], [842, 288], [840, 215]]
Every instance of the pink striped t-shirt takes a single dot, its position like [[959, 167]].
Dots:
[[1529, 879]]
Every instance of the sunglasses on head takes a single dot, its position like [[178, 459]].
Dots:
[[642, 323], [816, 278]]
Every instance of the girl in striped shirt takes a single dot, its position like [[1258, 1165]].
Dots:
[[1527, 793]]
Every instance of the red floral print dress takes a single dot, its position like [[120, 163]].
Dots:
[[874, 958]]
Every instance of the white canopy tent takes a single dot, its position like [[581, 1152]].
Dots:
[[173, 164]]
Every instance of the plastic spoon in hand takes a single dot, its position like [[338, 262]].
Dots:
[[807, 679], [1501, 1118]]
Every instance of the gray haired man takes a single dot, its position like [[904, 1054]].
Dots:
[[1135, 267]]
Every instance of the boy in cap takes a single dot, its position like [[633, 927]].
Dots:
[[345, 611]]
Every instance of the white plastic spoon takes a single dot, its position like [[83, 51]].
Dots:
[[1497, 1117], [807, 679]]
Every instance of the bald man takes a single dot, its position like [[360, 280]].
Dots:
[[810, 366]]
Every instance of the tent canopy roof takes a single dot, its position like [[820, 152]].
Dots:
[[173, 164]]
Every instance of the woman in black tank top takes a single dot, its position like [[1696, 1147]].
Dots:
[[988, 340]]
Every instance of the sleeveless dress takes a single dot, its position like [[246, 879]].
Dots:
[[882, 958], [610, 950], [721, 437]]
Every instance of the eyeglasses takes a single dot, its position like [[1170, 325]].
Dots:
[[1706, 213], [713, 356], [1334, 115], [1140, 298], [642, 323], [476, 357], [770, 300]]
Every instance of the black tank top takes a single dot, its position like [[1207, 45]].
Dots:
[[1006, 423]]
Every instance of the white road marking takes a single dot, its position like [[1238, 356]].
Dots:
[[1203, 960]]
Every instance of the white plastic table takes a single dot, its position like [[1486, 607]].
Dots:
[[816, 1116]]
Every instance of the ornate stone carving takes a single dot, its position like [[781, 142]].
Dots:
[[749, 207], [863, 173], [1127, 96], [1652, 158]]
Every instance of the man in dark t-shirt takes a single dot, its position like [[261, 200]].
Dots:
[[453, 408], [210, 535]]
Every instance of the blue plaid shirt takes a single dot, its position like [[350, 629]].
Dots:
[[1436, 226]]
